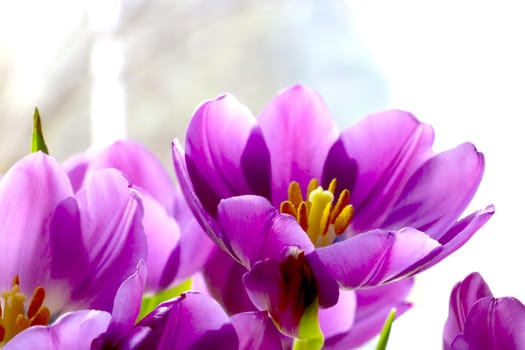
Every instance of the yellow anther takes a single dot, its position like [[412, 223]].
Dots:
[[343, 220], [312, 185], [302, 216], [288, 208], [294, 194], [332, 185], [317, 215], [13, 318], [342, 201]]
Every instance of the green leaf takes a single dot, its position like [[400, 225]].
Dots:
[[385, 332], [310, 336], [38, 143], [150, 302]]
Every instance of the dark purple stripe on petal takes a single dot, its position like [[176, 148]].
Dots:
[[299, 131], [387, 148], [439, 191]]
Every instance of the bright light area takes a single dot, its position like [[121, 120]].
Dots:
[[459, 65]]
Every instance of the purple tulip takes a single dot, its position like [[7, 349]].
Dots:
[[177, 246], [477, 320], [196, 321], [69, 251], [307, 209]]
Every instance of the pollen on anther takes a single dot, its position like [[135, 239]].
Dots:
[[37, 301], [312, 185], [302, 216], [342, 202], [343, 220], [42, 317], [288, 208], [332, 186], [294, 194]]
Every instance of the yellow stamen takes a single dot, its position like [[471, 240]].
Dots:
[[317, 215], [294, 194], [13, 318]]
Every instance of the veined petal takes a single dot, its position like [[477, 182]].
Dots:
[[76, 167], [340, 317], [74, 330], [387, 148], [29, 193], [207, 222], [113, 236], [126, 308], [255, 230], [141, 167], [439, 191], [453, 239], [215, 143], [287, 288], [374, 257], [299, 131], [256, 331], [224, 279], [463, 297], [372, 309], [495, 324], [191, 321], [163, 236], [188, 257]]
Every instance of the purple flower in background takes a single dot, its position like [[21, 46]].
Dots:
[[306, 209], [197, 321], [477, 320], [70, 251], [177, 246]]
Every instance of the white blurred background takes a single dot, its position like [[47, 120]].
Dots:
[[100, 70]]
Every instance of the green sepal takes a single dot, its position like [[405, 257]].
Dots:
[[38, 143], [385, 332], [310, 336], [150, 302]]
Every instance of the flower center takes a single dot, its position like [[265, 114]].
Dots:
[[13, 317], [317, 215]]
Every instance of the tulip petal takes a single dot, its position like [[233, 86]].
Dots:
[[287, 288], [340, 317], [188, 257], [255, 230], [29, 193], [224, 279], [113, 236], [496, 324], [163, 236], [374, 257], [373, 307], [463, 297], [191, 321], [453, 239], [215, 143], [141, 167], [387, 148], [452, 177], [256, 331], [73, 330], [299, 131], [209, 225]]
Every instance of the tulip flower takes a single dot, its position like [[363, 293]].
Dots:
[[64, 251], [477, 320], [177, 246], [307, 209]]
